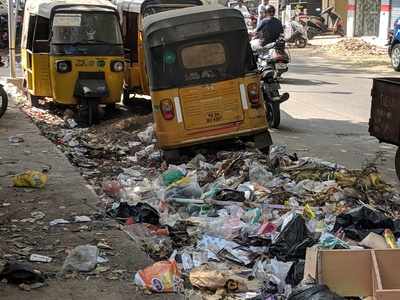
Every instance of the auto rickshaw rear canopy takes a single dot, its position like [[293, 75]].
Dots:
[[194, 22], [44, 8], [221, 33], [141, 6]]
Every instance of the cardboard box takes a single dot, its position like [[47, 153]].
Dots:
[[356, 273]]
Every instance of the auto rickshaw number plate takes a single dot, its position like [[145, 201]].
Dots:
[[281, 66], [273, 86], [213, 117]]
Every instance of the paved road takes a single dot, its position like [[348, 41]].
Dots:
[[328, 112]]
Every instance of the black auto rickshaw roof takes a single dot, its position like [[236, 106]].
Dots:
[[141, 6], [147, 4], [45, 8], [163, 27]]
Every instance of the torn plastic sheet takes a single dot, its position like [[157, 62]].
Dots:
[[226, 249]]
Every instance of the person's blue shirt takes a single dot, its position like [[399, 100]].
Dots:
[[269, 30]]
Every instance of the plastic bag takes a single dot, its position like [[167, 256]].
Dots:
[[293, 240], [280, 269], [314, 292], [172, 175], [141, 213], [226, 227], [147, 135], [205, 277], [81, 258], [357, 223], [18, 273], [186, 188], [230, 195], [258, 174], [329, 241], [161, 277], [390, 239], [296, 273], [32, 179]]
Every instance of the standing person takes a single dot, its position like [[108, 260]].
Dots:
[[261, 11], [242, 8], [270, 28]]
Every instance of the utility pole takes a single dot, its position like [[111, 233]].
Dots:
[[11, 36]]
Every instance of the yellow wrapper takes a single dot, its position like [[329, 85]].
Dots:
[[33, 179], [390, 239], [309, 213]]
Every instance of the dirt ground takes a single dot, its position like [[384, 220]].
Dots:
[[66, 195]]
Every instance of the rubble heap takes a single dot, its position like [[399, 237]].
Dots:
[[355, 47]]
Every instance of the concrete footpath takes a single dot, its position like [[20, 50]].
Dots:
[[25, 215]]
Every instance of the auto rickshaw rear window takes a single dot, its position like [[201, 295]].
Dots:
[[209, 59], [203, 55]]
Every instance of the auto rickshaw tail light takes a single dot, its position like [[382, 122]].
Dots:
[[253, 93], [167, 109]]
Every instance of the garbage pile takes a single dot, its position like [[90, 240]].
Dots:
[[355, 47], [228, 224], [238, 225]]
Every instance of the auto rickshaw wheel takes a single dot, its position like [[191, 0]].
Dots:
[[126, 97], [171, 155], [34, 100], [111, 107], [88, 112], [397, 163]]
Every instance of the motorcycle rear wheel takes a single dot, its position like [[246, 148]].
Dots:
[[311, 33], [273, 114], [3, 101], [301, 43]]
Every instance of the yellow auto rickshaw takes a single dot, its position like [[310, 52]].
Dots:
[[203, 78], [72, 51], [132, 13]]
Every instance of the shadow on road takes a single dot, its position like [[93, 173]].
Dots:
[[297, 81]]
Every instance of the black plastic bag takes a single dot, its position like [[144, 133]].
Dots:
[[296, 273], [141, 212], [314, 292], [144, 213], [357, 223], [293, 241], [230, 195], [18, 273]]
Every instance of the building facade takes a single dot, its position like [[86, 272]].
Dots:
[[371, 17]]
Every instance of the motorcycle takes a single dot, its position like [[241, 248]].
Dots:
[[3, 101], [317, 25], [296, 34], [270, 84], [276, 56]]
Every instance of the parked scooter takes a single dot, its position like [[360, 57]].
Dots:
[[3, 101], [270, 86], [3, 32], [296, 34], [317, 25]]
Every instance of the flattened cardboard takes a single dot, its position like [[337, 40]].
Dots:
[[346, 273], [357, 273]]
